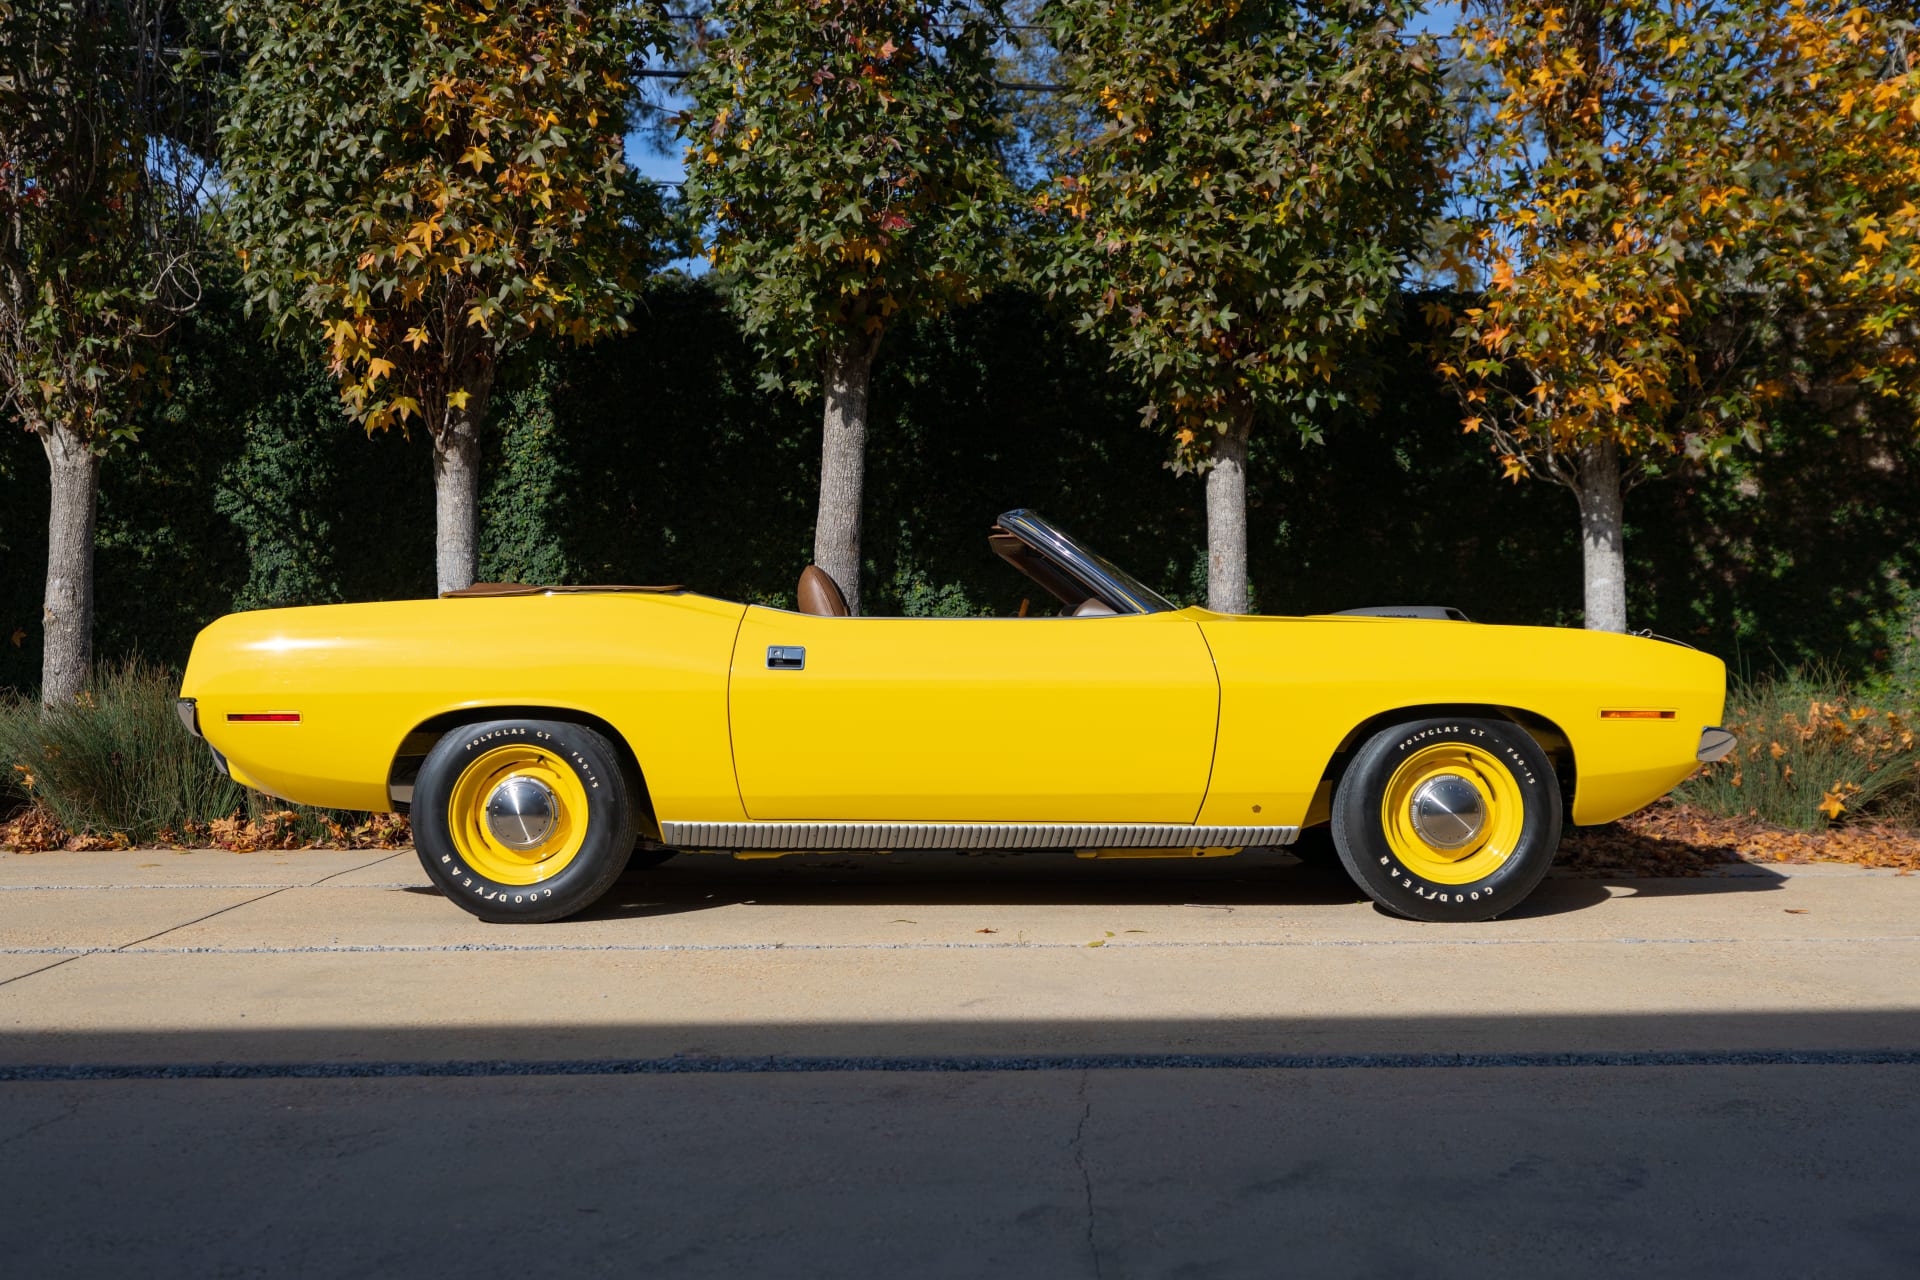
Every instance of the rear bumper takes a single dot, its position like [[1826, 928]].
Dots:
[[189, 712], [1715, 744]]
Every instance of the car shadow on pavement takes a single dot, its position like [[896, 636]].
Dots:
[[1562, 893], [698, 882]]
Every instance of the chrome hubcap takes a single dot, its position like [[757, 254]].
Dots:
[[1447, 811], [521, 813]]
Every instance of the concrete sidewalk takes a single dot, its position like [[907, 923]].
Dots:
[[170, 957], [945, 1065]]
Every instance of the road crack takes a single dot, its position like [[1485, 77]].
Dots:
[[1079, 1148], [67, 1112]]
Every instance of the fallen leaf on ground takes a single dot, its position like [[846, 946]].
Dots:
[[1670, 839]]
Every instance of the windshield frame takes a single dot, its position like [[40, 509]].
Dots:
[[1103, 579]]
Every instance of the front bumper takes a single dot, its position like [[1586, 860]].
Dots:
[[1715, 744]]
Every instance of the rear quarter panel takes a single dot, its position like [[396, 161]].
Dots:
[[1292, 689], [363, 676]]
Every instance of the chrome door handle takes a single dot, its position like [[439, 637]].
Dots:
[[786, 657]]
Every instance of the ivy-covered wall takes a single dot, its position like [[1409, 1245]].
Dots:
[[658, 457]]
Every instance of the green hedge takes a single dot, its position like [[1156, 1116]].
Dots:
[[659, 457]]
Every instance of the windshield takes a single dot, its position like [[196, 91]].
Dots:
[[1122, 592]]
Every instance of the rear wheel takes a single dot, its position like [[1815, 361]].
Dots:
[[523, 820], [1448, 819]]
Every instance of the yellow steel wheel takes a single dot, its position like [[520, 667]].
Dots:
[[1452, 813], [517, 814]]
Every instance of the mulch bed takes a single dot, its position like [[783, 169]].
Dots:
[[1669, 839], [34, 830]]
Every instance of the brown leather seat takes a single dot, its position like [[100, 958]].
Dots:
[[819, 594]]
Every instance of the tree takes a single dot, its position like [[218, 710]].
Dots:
[[1645, 207], [1861, 143], [843, 156], [1238, 226], [423, 184], [101, 111]]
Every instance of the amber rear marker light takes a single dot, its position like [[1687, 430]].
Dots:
[[263, 717], [1636, 715]]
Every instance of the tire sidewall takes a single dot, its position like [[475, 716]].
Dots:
[[603, 851], [1371, 860]]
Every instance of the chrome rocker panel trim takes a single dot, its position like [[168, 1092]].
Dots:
[[964, 835]]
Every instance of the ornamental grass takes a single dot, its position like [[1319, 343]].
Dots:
[[116, 769], [1813, 754]]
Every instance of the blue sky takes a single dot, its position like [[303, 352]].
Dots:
[[662, 164]]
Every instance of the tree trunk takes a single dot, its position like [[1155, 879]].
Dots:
[[1227, 518], [67, 618], [843, 467], [1602, 537], [456, 493]]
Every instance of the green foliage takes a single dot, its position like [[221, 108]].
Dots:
[[1858, 143], [676, 467], [117, 764], [916, 595], [1239, 224], [117, 760], [1898, 658], [843, 157], [1813, 752], [267, 493], [1640, 193], [427, 182], [101, 105], [527, 505]]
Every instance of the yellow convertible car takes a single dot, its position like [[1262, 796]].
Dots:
[[541, 737]]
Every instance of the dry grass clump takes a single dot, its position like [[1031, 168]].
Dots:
[[1813, 755], [117, 769]]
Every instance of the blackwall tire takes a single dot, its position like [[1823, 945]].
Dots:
[[1404, 814], [476, 774]]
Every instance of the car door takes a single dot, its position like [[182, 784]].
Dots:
[[1096, 719]]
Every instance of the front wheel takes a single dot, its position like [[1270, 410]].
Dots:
[[1449, 819], [523, 820]]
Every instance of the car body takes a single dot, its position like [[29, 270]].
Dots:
[[1127, 723]]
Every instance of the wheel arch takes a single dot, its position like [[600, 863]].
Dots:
[[421, 739], [1550, 737]]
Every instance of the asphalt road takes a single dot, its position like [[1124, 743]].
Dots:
[[308, 1063]]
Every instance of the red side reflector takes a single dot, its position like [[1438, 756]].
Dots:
[[263, 717], [1636, 715]]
